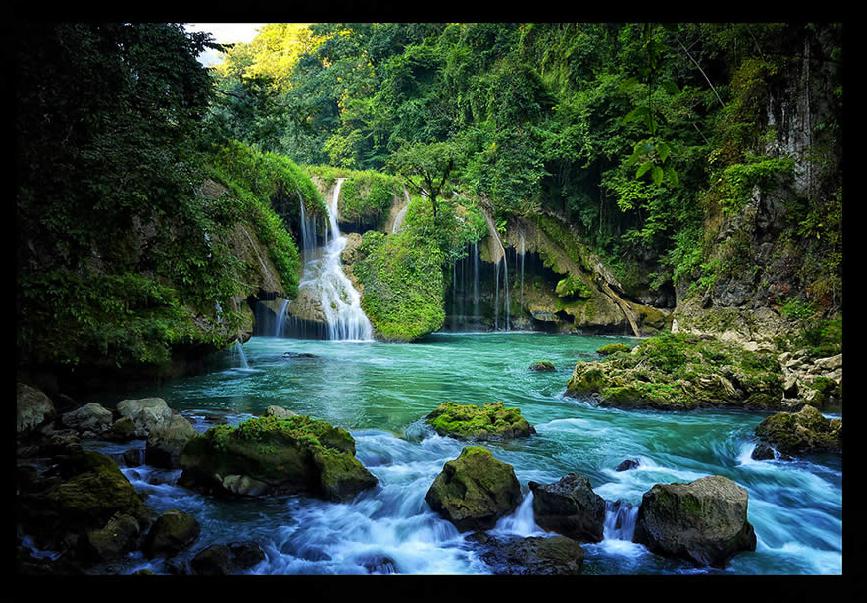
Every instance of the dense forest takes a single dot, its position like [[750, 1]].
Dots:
[[647, 214]]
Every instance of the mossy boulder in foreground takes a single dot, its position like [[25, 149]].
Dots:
[[704, 521], [547, 556], [681, 372], [569, 507], [276, 455], [802, 432], [491, 421], [474, 490]]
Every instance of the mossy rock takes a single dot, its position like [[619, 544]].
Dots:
[[547, 556], [490, 421], [573, 286], [172, 532], [543, 366], [806, 431], [474, 490], [611, 348], [704, 521], [276, 455], [679, 371]]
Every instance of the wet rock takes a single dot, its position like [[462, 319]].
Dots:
[[278, 411], [172, 532], [132, 457], [806, 431], [146, 414], [122, 430], [33, 408], [166, 442], [627, 464], [225, 560], [270, 455], [119, 535], [552, 556], [90, 420], [763, 452], [492, 421], [378, 564], [543, 366], [569, 507], [474, 490], [704, 521]]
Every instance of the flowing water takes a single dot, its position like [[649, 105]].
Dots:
[[380, 392]]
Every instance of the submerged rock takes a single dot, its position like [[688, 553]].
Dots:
[[802, 432], [627, 464], [172, 532], [551, 556], [704, 521], [272, 455], [491, 421], [89, 420], [763, 452], [33, 408], [166, 442], [569, 507], [681, 372], [474, 490], [543, 366], [225, 560], [146, 414]]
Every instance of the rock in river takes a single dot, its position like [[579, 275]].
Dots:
[[492, 421], [555, 555], [474, 490], [704, 521], [569, 507], [802, 432]]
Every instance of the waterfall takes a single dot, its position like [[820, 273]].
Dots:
[[454, 294], [324, 276], [521, 522], [476, 283], [497, 296], [240, 350], [281, 314], [523, 257], [619, 520], [507, 305]]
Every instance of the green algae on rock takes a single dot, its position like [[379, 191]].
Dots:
[[491, 421], [802, 432], [610, 348], [681, 372], [276, 455], [544, 366], [474, 490]]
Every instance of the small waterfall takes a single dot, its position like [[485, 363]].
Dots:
[[241, 355], [281, 315], [523, 256], [507, 305], [454, 294], [521, 522], [398, 219], [323, 273], [476, 283], [619, 520], [497, 297]]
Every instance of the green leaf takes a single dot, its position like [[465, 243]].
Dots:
[[643, 169], [657, 175]]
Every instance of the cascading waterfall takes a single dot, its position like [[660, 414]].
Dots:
[[523, 256], [281, 315], [323, 273], [619, 520], [520, 523], [476, 282], [241, 355]]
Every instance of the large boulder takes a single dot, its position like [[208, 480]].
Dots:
[[146, 414], [271, 455], [802, 432], [492, 421], [119, 535], [704, 521], [553, 556], [90, 420], [33, 409], [569, 507], [225, 560], [166, 442], [172, 532], [474, 490], [84, 492]]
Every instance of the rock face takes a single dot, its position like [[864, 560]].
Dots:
[[569, 507], [802, 432], [166, 442], [474, 490], [681, 372], [225, 560], [146, 414], [704, 521], [86, 492], [543, 366], [555, 556], [271, 455], [814, 381], [172, 532], [491, 421], [33, 408], [91, 419]]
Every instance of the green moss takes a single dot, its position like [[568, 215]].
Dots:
[[491, 420], [611, 348], [543, 365], [573, 286]]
